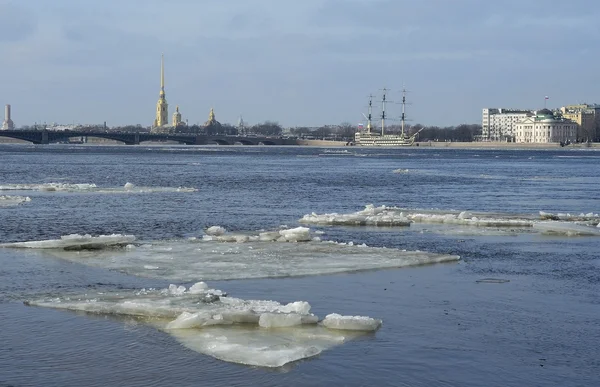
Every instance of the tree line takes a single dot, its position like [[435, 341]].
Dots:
[[346, 132], [342, 132]]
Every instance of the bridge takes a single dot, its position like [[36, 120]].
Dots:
[[51, 136]]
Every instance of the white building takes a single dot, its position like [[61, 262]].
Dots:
[[545, 127], [499, 124]]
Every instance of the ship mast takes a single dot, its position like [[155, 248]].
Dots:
[[383, 112], [369, 126], [403, 110]]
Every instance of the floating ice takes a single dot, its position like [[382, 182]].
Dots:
[[90, 188], [257, 257], [351, 323], [253, 332], [279, 320], [7, 201], [567, 228], [392, 216], [76, 242], [590, 216], [299, 234], [62, 187], [467, 219], [400, 171], [215, 231], [370, 216]]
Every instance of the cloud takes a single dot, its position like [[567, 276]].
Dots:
[[301, 63]]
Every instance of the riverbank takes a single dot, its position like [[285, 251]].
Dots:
[[504, 145]]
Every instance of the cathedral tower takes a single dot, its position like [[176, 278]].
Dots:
[[162, 108], [177, 118]]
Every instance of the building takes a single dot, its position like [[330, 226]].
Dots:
[[177, 122], [8, 123], [162, 107], [212, 126], [545, 127], [499, 124], [587, 117]]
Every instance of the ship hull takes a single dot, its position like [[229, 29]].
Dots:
[[365, 139]]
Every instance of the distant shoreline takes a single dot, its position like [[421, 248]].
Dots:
[[506, 145], [462, 145], [432, 144]]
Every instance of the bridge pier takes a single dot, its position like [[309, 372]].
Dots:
[[44, 137]]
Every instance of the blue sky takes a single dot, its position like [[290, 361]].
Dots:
[[308, 62]]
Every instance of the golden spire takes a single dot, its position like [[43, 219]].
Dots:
[[162, 108], [211, 116], [177, 108], [162, 73]]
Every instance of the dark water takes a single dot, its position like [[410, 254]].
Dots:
[[441, 326]]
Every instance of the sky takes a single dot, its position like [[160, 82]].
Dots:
[[300, 63]]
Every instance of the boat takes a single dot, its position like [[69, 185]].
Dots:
[[369, 138]]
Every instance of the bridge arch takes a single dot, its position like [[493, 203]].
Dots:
[[218, 141], [23, 137], [266, 142], [243, 142]]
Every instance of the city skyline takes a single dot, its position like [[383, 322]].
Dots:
[[70, 62]]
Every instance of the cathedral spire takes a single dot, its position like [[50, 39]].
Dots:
[[162, 108], [162, 73]]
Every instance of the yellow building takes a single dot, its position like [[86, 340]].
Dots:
[[177, 118], [162, 108], [587, 119]]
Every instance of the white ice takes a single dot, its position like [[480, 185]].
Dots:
[[76, 242], [215, 231], [392, 216], [351, 323], [8, 201], [370, 216], [567, 228], [582, 217], [256, 257], [91, 188], [253, 332], [467, 219]]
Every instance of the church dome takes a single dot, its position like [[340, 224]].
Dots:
[[544, 112]]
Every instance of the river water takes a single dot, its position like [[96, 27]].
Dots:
[[520, 308]]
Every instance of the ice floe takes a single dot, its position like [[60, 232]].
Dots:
[[252, 332], [91, 188], [8, 201], [370, 216], [76, 242], [590, 216], [351, 323], [567, 228], [392, 216], [267, 254]]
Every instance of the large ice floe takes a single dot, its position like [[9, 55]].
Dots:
[[76, 242], [589, 217], [394, 216], [9, 201], [91, 188], [251, 332], [222, 255], [567, 228]]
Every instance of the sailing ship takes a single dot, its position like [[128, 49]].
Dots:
[[369, 138]]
